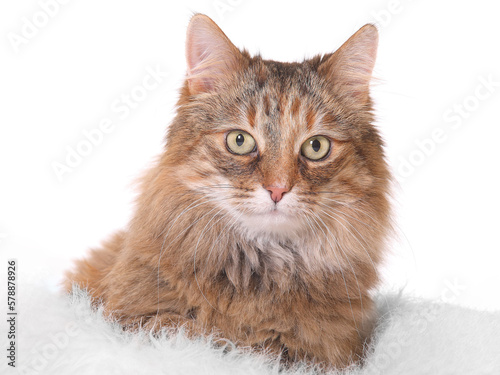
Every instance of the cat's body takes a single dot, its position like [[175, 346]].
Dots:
[[268, 248]]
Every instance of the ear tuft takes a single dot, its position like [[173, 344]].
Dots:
[[350, 68], [210, 55]]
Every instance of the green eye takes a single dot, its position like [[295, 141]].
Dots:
[[240, 142], [316, 148]]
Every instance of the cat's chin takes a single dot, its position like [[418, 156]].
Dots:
[[274, 223]]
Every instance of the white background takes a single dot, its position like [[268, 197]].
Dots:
[[84, 55]]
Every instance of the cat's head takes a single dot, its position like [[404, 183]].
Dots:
[[280, 147]]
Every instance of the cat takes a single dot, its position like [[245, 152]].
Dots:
[[265, 217]]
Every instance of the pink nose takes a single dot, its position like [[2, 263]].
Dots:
[[277, 192]]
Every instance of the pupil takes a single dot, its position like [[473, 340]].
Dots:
[[316, 145], [240, 139]]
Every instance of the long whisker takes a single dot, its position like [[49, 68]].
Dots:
[[355, 209], [340, 268], [352, 234], [216, 187], [220, 186], [346, 258], [194, 257], [223, 230], [395, 225], [162, 250], [187, 209], [197, 220], [338, 214], [353, 197], [355, 237]]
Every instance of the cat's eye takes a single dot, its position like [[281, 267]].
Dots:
[[316, 148], [240, 142]]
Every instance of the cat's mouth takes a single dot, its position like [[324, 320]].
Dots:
[[274, 220], [276, 212], [275, 215]]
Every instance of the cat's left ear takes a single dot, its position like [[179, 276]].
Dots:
[[350, 68], [210, 55]]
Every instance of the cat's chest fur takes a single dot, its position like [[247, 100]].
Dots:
[[247, 261], [262, 289], [239, 267]]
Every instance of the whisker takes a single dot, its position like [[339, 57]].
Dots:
[[356, 238], [187, 209], [346, 258], [222, 186], [194, 259], [340, 268], [338, 214], [333, 192], [395, 226], [223, 230], [355, 209], [182, 213]]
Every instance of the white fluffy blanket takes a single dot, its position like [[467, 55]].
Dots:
[[61, 335]]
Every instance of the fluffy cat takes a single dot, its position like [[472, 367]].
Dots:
[[265, 217]]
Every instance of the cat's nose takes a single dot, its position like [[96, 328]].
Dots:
[[277, 192]]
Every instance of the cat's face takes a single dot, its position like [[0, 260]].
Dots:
[[280, 147]]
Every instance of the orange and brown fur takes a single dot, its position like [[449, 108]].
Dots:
[[268, 249]]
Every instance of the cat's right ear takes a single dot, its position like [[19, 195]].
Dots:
[[350, 68], [210, 55]]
